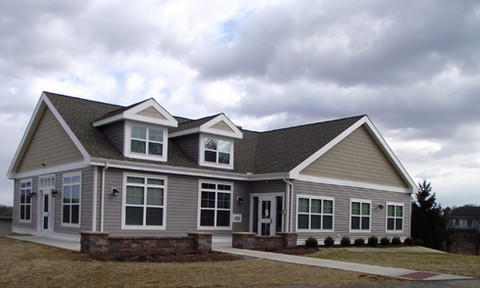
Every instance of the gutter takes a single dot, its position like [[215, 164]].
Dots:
[[288, 203]]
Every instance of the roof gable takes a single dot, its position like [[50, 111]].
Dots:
[[148, 111], [219, 125], [377, 139]]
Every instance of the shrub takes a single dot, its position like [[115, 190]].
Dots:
[[396, 240], [311, 242], [385, 241], [372, 241], [329, 241], [418, 242], [359, 242], [408, 241], [345, 241]]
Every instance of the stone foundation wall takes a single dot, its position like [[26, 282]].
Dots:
[[249, 240], [102, 242]]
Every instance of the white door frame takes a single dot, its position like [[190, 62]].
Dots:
[[45, 186], [272, 197]]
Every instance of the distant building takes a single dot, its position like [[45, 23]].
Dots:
[[461, 222]]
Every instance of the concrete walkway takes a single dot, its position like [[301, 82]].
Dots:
[[64, 244], [355, 267]]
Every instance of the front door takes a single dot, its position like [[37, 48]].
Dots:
[[46, 206], [269, 209]]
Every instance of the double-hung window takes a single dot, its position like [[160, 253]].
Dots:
[[215, 205], [394, 217], [71, 199], [145, 142], [314, 213], [144, 199], [360, 212], [216, 152], [26, 200]]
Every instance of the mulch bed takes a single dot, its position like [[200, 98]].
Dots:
[[164, 257]]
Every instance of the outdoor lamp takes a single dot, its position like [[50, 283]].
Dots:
[[115, 192]]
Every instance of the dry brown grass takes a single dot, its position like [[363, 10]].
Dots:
[[25, 264], [415, 258]]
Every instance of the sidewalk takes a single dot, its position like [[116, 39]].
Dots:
[[64, 244], [355, 267]]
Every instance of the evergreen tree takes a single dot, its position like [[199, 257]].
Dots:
[[428, 224]]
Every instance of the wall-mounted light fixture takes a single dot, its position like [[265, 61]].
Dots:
[[240, 200], [380, 206], [33, 194], [54, 192], [115, 192]]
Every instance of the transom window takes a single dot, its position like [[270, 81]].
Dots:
[[215, 205], [26, 200], [145, 140], [144, 202], [315, 213], [360, 215], [394, 217], [71, 199]]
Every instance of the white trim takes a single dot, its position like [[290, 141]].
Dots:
[[295, 172], [52, 170], [199, 205], [127, 142], [201, 158], [51, 205], [395, 217], [361, 215], [319, 197], [349, 183], [145, 185], [131, 114], [206, 128], [25, 204], [72, 174]]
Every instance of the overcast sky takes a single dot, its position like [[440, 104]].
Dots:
[[412, 66]]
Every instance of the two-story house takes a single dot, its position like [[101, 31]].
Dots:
[[89, 166]]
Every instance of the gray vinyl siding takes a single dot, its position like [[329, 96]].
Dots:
[[86, 204], [190, 145], [342, 196], [182, 205], [116, 134], [16, 206], [357, 158], [222, 126], [273, 186], [50, 144]]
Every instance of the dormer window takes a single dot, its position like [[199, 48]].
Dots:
[[145, 141], [216, 152]]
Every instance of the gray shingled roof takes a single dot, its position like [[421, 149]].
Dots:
[[258, 152], [465, 211]]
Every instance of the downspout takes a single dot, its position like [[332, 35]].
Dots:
[[95, 195], [103, 197], [289, 203]]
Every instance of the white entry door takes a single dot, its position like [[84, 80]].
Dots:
[[46, 206], [267, 215]]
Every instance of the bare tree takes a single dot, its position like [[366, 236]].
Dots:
[[473, 235]]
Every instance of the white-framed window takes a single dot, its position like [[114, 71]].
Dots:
[[216, 152], [215, 205], [394, 217], [314, 213], [26, 200], [144, 202], [145, 141], [71, 197], [360, 215]]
